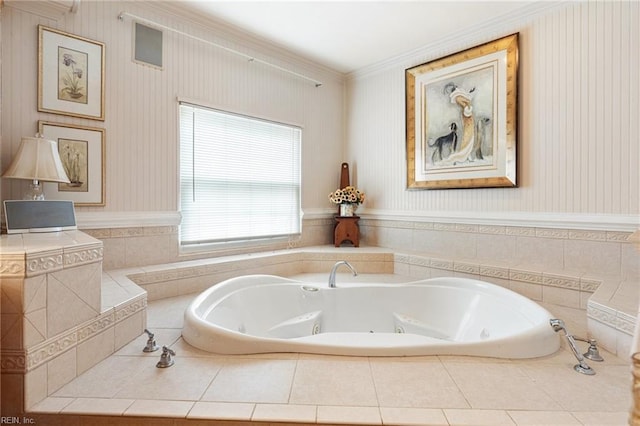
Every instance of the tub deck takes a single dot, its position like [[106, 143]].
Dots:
[[316, 389]]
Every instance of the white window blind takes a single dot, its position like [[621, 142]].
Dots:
[[239, 177]]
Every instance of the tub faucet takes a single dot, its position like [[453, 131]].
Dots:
[[151, 342], [332, 275], [165, 358]]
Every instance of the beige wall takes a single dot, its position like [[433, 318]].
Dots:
[[141, 103], [578, 144], [578, 149]]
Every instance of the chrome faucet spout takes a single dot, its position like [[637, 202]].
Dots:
[[332, 274]]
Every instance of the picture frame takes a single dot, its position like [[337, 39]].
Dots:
[[82, 152], [461, 118], [70, 74]]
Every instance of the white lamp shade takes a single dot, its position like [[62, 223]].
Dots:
[[37, 159]]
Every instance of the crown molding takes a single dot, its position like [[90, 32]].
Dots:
[[50, 9], [504, 25]]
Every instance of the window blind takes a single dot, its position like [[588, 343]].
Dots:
[[239, 177]]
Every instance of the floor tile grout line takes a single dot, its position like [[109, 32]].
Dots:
[[210, 381], [526, 372], [373, 382], [453, 380], [375, 389]]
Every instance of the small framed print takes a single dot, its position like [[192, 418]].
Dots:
[[70, 74], [81, 151]]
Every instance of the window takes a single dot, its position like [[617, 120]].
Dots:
[[239, 177]]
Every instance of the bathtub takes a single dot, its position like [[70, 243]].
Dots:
[[438, 316]]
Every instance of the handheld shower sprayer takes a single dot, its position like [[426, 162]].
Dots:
[[581, 366], [557, 324]]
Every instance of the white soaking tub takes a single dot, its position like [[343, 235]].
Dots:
[[438, 316]]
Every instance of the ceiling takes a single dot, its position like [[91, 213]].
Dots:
[[349, 35]]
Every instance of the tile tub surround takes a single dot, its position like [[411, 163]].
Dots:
[[55, 324], [171, 280], [557, 265], [563, 265], [127, 247], [596, 252], [611, 303], [126, 388]]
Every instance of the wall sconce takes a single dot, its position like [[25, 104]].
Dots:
[[37, 160]]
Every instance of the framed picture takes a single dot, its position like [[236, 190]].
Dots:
[[70, 74], [461, 118], [82, 153]]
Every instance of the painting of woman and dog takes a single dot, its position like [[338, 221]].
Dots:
[[461, 114]]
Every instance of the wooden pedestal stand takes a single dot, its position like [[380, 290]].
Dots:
[[346, 227]]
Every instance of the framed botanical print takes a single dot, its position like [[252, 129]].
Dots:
[[461, 118], [82, 152], [70, 74]]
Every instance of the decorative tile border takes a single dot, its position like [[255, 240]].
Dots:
[[621, 237], [494, 271], [13, 361], [625, 323], [561, 234], [83, 255], [417, 261], [451, 227], [553, 280], [30, 264], [588, 235], [467, 268], [130, 308], [12, 266], [406, 225], [441, 264], [43, 262], [525, 276], [401, 258], [589, 285], [51, 348], [96, 326], [492, 229], [521, 231], [617, 320]]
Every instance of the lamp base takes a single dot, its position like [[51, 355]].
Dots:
[[35, 192]]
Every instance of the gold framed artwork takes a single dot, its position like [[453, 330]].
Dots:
[[82, 152], [461, 118], [70, 74]]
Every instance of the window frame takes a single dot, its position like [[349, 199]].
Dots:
[[234, 243]]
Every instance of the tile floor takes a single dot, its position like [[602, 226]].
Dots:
[[303, 388]]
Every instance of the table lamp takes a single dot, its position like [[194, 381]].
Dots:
[[37, 160]]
